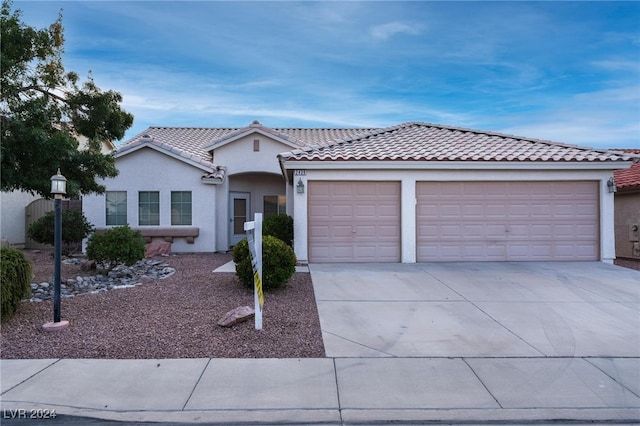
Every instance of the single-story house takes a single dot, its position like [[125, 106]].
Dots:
[[414, 192], [627, 212]]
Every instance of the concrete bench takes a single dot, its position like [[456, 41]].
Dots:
[[190, 233], [168, 234]]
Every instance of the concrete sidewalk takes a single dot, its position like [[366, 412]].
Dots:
[[444, 343], [328, 390]]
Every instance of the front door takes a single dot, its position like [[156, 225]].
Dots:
[[239, 214]]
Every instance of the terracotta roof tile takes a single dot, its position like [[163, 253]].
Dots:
[[188, 141], [430, 142], [628, 178], [407, 141]]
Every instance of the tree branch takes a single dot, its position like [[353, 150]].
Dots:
[[41, 90]]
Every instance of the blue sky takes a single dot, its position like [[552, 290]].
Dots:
[[564, 71]]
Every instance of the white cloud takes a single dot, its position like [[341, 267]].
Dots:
[[602, 119], [390, 29]]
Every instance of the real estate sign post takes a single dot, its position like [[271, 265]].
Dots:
[[254, 238]]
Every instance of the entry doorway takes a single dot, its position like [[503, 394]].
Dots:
[[239, 204]]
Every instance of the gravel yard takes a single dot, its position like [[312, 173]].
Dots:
[[171, 318]]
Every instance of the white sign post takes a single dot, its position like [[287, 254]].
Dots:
[[254, 238]]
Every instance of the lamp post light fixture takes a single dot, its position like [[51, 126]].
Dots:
[[58, 189]]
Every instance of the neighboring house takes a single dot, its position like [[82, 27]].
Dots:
[[627, 213], [415, 192], [13, 223]]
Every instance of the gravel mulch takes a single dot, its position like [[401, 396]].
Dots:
[[171, 318]]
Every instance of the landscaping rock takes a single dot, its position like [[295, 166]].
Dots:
[[142, 272], [157, 248], [235, 316], [88, 265]]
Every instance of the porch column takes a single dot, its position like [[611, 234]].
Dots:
[[300, 225], [408, 220], [607, 228]]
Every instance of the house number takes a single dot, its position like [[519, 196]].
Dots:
[[299, 172]]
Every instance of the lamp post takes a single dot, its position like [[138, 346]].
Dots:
[[58, 189]]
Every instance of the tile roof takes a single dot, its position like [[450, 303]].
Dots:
[[628, 178], [188, 141], [429, 142]]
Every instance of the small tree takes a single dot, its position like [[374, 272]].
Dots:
[[115, 246], [75, 227]]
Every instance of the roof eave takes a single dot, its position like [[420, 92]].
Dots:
[[292, 164], [190, 160]]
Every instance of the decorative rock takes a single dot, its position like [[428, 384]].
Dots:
[[144, 279], [122, 276], [235, 316], [156, 248], [88, 265]]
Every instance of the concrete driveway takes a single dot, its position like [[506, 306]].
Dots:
[[512, 309]]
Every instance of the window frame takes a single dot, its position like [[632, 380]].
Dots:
[[115, 216], [148, 205], [280, 204], [178, 209]]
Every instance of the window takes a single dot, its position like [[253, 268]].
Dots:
[[148, 208], [116, 207], [181, 207], [274, 204]]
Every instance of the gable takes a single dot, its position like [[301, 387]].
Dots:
[[253, 152], [152, 168], [148, 143]]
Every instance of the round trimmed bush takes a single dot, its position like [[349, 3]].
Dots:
[[15, 280], [278, 263], [280, 226], [116, 245]]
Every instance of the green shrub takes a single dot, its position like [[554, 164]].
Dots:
[[280, 226], [75, 227], [114, 246], [278, 263], [15, 280]]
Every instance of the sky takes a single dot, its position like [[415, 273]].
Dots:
[[562, 71]]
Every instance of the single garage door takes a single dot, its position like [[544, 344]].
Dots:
[[354, 221], [497, 221]]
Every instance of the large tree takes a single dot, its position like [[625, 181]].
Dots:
[[44, 109]]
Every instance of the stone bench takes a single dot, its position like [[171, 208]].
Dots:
[[190, 233], [168, 234]]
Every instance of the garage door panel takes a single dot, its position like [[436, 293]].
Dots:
[[340, 231], [543, 211], [585, 231], [496, 211], [342, 212], [507, 221], [319, 231], [471, 231], [363, 219]]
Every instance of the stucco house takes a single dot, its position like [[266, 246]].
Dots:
[[414, 192], [627, 213]]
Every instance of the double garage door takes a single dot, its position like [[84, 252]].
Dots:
[[455, 221]]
